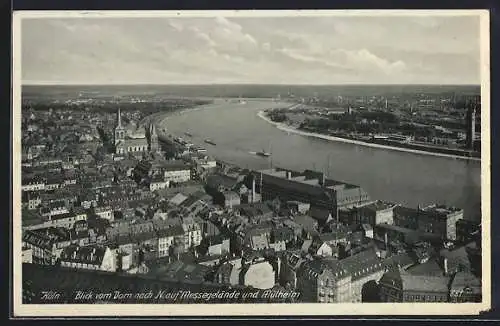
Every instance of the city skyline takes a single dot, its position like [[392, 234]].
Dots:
[[252, 50]]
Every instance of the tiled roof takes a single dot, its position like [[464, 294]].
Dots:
[[282, 234], [417, 283], [143, 236], [424, 283], [430, 267], [331, 236], [305, 221], [93, 255], [178, 199], [362, 264], [172, 231], [39, 240], [180, 271]]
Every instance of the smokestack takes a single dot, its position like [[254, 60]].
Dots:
[[253, 189]]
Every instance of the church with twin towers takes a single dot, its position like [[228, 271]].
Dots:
[[142, 140]]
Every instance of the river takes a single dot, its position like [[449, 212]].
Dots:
[[406, 178]]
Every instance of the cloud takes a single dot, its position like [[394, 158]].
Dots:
[[258, 50], [361, 60]]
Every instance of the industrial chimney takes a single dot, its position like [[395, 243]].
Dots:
[[253, 189]]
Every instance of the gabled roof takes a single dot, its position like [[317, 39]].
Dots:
[[178, 199], [175, 230], [38, 239], [332, 236], [92, 255], [424, 283], [430, 267]]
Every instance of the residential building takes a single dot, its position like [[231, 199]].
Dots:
[[105, 212], [158, 183], [438, 220], [42, 246], [177, 172], [169, 237], [35, 183], [400, 286], [89, 257], [333, 280], [192, 232], [218, 246]]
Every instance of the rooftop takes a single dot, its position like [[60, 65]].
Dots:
[[417, 283], [179, 270], [430, 267], [378, 205]]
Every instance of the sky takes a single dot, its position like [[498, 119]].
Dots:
[[253, 50]]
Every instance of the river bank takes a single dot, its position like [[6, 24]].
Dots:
[[290, 129]]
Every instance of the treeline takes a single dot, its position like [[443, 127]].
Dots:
[[369, 123], [278, 117], [110, 107]]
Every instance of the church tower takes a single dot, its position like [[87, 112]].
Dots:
[[153, 139], [119, 130]]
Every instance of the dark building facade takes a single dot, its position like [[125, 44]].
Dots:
[[308, 186], [438, 220]]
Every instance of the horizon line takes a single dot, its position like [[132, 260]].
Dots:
[[247, 84]]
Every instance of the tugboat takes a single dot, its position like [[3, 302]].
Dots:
[[209, 141], [263, 153]]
